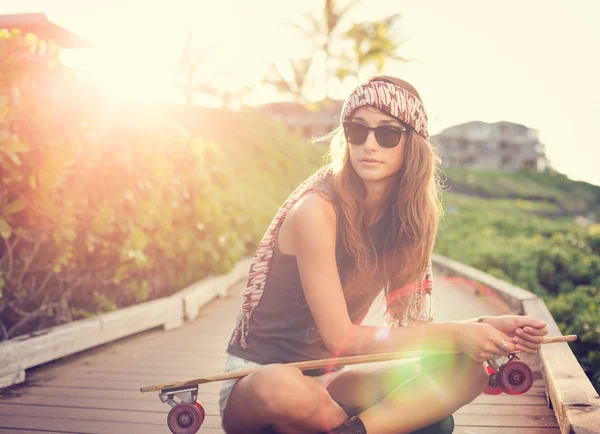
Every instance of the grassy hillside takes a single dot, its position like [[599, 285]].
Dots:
[[559, 194]]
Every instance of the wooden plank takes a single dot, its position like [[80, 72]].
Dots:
[[493, 420], [117, 385], [24, 423], [575, 401], [131, 370], [20, 431], [510, 400], [153, 405], [9, 411], [503, 430], [506, 410], [56, 393], [123, 356], [89, 414]]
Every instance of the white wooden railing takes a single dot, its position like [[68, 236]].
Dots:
[[23, 352]]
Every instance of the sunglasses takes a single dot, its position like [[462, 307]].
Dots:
[[387, 136]]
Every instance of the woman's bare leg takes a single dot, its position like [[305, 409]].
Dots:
[[395, 398], [363, 387], [281, 398]]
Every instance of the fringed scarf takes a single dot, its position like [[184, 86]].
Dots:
[[404, 307]]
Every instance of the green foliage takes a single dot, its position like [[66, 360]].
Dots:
[[555, 259], [556, 190], [373, 44], [105, 205]]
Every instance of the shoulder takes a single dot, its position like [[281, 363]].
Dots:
[[313, 211]]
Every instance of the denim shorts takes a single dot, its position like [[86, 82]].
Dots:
[[234, 363]]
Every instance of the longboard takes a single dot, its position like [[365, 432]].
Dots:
[[324, 363]]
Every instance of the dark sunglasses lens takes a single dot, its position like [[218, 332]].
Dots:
[[388, 137], [355, 133]]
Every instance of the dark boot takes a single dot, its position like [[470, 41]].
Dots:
[[355, 426], [444, 426], [352, 426]]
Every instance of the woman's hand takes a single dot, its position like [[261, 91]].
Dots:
[[527, 332], [481, 341]]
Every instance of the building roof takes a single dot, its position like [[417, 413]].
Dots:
[[284, 107], [38, 24], [473, 123]]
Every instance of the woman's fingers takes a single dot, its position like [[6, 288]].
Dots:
[[526, 349], [504, 343], [530, 336], [522, 343], [532, 321], [527, 340], [501, 345], [532, 331]]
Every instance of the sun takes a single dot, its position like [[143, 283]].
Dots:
[[141, 64], [128, 76]]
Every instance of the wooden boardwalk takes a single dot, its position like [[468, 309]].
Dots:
[[97, 391]]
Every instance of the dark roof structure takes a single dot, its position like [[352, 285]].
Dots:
[[38, 24]]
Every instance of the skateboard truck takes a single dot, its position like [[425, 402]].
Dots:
[[187, 415], [188, 395]]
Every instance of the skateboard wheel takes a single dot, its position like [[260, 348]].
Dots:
[[515, 378], [185, 418], [202, 412], [492, 388]]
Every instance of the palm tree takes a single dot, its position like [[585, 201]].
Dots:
[[294, 85], [322, 30], [189, 62], [346, 53], [372, 44]]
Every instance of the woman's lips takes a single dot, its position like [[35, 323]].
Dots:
[[370, 161]]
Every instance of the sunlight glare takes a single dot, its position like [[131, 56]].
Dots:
[[125, 75]]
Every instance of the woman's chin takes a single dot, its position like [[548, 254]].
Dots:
[[371, 175]]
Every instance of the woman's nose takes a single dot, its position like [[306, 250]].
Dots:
[[371, 141]]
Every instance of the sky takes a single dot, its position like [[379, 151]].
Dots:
[[524, 61]]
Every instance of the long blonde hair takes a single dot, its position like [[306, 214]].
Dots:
[[413, 209]]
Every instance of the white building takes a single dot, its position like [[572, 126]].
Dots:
[[497, 146]]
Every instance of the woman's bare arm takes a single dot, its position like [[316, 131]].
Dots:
[[312, 236]]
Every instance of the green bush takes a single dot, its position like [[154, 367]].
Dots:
[[105, 205]]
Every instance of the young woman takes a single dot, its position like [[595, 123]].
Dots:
[[364, 224]]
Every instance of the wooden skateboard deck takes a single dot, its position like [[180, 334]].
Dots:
[[323, 363]]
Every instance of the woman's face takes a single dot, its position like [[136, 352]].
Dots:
[[371, 161]]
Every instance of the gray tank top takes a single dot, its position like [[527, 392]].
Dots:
[[282, 328]]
